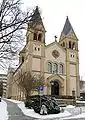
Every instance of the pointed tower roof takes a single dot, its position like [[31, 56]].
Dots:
[[67, 29], [36, 18]]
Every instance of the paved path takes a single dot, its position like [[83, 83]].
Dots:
[[15, 113]]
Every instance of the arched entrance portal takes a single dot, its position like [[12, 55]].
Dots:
[[54, 88]]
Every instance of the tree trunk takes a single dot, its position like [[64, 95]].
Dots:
[[27, 95]]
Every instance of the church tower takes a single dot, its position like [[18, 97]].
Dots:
[[35, 43], [69, 41]]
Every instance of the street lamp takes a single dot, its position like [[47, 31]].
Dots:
[[52, 82], [41, 88]]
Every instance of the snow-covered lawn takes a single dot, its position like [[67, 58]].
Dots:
[[70, 112], [3, 111]]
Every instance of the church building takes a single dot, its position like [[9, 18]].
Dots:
[[57, 61]]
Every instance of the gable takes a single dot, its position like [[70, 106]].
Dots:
[[49, 53]]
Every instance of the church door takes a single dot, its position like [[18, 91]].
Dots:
[[54, 88]]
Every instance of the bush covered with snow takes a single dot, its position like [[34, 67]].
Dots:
[[37, 101]]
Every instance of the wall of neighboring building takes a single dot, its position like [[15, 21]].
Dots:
[[82, 86], [3, 78], [82, 89]]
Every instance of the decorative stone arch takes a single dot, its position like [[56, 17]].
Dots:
[[59, 80]]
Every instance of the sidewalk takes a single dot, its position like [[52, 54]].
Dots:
[[15, 113]]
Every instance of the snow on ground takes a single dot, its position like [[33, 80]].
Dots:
[[80, 101], [3, 111], [70, 112], [31, 112], [82, 115], [70, 106]]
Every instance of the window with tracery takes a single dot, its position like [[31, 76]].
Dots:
[[55, 68], [49, 67], [61, 69]]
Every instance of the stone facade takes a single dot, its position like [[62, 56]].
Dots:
[[58, 61]]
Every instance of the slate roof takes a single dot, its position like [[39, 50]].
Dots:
[[67, 27], [36, 18]]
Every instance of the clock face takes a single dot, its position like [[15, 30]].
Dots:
[[55, 53]]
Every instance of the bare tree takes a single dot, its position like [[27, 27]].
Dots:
[[12, 23], [30, 82]]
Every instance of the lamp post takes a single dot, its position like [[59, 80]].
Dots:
[[41, 88]]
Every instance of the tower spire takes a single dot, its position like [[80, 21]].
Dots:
[[36, 30], [67, 29], [36, 18]]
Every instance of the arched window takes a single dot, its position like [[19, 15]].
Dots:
[[49, 67], [69, 44], [73, 46], [55, 68], [35, 36], [39, 37], [63, 44], [61, 69]]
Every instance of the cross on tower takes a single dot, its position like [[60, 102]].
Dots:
[[55, 38]]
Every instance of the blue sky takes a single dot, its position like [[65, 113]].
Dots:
[[54, 14]]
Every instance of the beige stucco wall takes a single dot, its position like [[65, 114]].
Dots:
[[72, 56], [36, 64], [72, 84], [36, 49], [73, 69]]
